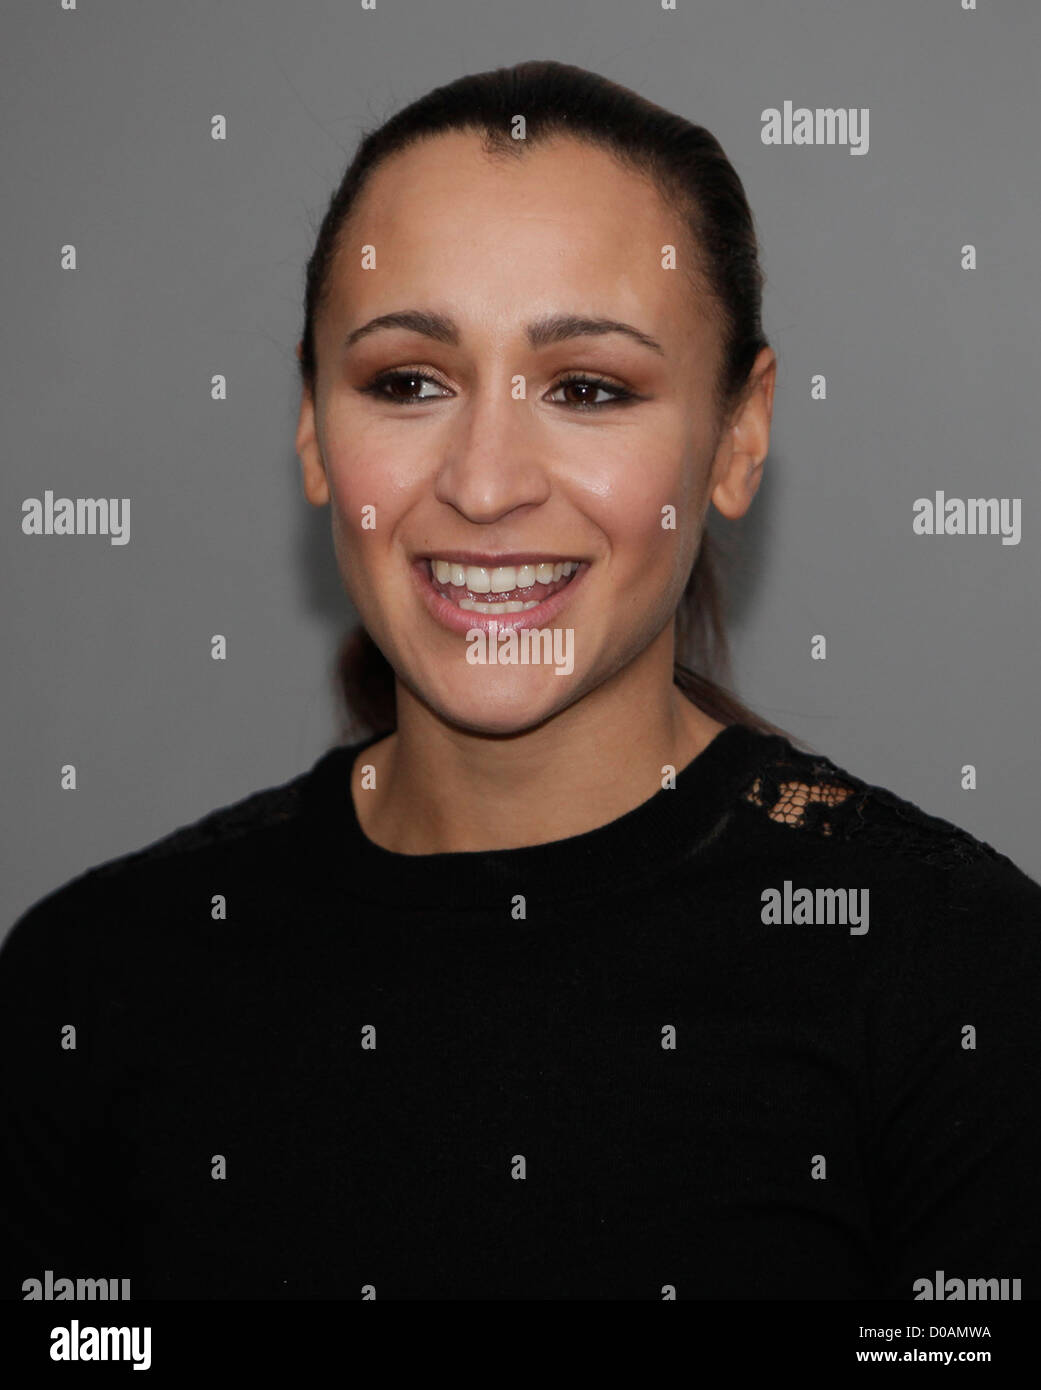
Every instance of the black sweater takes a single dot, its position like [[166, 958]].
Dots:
[[611, 1066]]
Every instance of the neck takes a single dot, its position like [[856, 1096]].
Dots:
[[441, 789]]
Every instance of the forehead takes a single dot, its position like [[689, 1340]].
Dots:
[[564, 226]]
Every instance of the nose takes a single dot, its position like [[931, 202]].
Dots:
[[492, 460]]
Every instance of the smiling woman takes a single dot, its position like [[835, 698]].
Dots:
[[527, 345], [487, 1004]]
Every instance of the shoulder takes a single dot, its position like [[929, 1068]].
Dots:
[[261, 815], [935, 878], [259, 829], [807, 792], [953, 921]]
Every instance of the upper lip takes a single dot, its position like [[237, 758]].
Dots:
[[487, 560]]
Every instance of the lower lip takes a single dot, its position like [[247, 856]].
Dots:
[[463, 620]]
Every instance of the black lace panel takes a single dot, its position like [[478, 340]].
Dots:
[[810, 793]]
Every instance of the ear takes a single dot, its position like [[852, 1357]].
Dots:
[[737, 469], [316, 485]]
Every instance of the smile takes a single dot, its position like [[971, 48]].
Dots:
[[515, 588], [462, 596]]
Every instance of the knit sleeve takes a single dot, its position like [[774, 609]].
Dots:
[[52, 1206], [956, 1079]]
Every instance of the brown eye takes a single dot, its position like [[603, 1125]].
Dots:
[[581, 392], [401, 387]]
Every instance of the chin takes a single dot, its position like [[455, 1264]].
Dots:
[[501, 712]]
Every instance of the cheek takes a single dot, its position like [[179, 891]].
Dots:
[[649, 507], [370, 487]]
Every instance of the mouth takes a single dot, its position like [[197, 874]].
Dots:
[[525, 593]]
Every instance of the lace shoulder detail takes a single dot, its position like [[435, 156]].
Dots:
[[809, 792], [257, 812]]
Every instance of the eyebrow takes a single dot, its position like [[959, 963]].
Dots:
[[542, 333]]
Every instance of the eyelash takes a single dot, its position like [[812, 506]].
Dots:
[[621, 395]]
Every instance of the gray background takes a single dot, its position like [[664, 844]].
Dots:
[[191, 256]]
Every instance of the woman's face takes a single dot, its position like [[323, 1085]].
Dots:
[[457, 437]]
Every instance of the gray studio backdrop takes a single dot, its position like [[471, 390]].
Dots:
[[190, 262]]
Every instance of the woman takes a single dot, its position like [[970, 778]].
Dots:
[[572, 978]]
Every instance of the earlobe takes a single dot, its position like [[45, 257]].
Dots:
[[746, 442], [733, 494], [316, 484], [738, 471]]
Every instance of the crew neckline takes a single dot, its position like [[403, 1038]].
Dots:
[[625, 850]]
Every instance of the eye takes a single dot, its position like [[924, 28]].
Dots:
[[402, 387], [588, 387], [398, 387]]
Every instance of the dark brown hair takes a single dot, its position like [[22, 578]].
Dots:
[[687, 164]]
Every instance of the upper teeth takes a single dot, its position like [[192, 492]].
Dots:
[[500, 581]]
